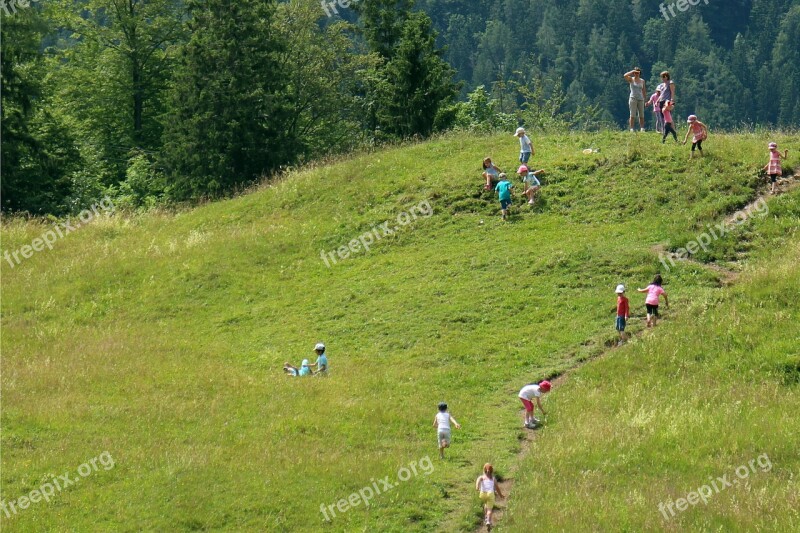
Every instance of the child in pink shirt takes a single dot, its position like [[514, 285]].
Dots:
[[774, 168], [669, 105], [699, 132], [657, 109], [654, 291]]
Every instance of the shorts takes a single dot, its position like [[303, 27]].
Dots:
[[620, 323], [488, 499], [773, 178], [652, 309], [636, 107], [528, 405], [505, 204], [524, 157], [443, 435]]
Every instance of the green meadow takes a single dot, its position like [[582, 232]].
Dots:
[[159, 338]]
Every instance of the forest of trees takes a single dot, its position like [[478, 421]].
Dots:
[[156, 101]]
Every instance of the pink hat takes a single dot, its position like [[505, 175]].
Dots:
[[522, 170], [773, 146], [692, 118], [545, 386]]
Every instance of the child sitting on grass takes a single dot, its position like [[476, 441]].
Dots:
[[531, 184], [293, 371], [487, 487], [654, 291], [774, 168], [322, 360], [623, 311], [442, 424], [503, 189], [526, 394], [490, 173]]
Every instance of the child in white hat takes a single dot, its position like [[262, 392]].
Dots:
[[774, 168]]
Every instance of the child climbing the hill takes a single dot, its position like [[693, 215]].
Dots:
[[490, 173], [699, 132], [623, 312], [525, 146], [530, 182], [487, 487], [774, 168], [526, 394], [654, 291], [656, 108], [669, 105], [322, 360], [503, 189], [442, 424]]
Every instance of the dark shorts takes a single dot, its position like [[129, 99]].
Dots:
[[773, 177], [652, 309], [505, 204], [524, 157], [698, 145], [620, 323]]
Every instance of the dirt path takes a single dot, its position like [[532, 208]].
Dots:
[[728, 277]]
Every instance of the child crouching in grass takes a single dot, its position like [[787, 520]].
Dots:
[[487, 487], [442, 424]]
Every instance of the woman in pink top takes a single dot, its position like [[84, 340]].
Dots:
[[654, 291], [700, 132], [774, 168]]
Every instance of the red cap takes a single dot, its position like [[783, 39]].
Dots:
[[545, 386]]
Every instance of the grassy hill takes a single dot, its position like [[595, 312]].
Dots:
[[159, 339]]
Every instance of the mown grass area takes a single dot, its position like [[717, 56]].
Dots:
[[160, 338]]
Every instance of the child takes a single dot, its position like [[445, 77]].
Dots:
[[525, 146], [656, 108], [774, 167], [700, 132], [442, 424], [503, 189], [668, 128], [322, 360], [487, 487], [526, 394], [290, 370], [490, 173], [653, 291], [623, 312], [531, 182], [293, 371]]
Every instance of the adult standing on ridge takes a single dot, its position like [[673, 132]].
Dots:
[[668, 94], [637, 98]]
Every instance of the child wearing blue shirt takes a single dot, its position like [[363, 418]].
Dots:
[[322, 360], [503, 189]]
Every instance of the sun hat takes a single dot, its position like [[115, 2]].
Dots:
[[620, 288], [523, 169], [773, 145], [519, 130], [545, 386], [692, 118], [304, 363], [502, 176], [319, 346]]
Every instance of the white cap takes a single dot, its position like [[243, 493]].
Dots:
[[319, 346], [620, 288], [519, 130]]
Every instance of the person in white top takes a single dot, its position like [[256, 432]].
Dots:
[[529, 392], [525, 146], [487, 486], [442, 423]]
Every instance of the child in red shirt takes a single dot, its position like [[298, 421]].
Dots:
[[623, 312]]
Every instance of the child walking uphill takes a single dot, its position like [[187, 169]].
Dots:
[[526, 394], [503, 189], [623, 312], [699, 132], [654, 291], [525, 146], [442, 424], [487, 487], [774, 168]]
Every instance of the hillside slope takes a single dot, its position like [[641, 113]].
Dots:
[[160, 338]]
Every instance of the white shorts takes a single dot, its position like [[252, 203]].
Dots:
[[443, 435]]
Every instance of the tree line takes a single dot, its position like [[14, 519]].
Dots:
[[156, 101]]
